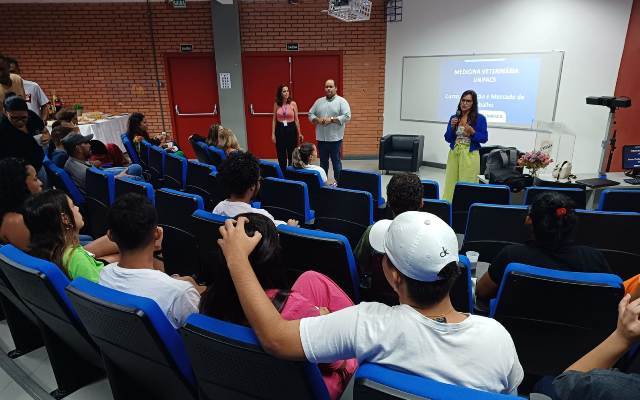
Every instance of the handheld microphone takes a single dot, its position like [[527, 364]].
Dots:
[[458, 114]]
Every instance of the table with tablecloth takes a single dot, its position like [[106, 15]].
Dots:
[[107, 130]]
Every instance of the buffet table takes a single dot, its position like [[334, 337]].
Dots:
[[107, 130]]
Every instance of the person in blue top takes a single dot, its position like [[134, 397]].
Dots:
[[465, 131]]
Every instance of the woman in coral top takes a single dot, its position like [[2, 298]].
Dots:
[[285, 127]]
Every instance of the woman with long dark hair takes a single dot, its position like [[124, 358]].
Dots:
[[304, 155], [311, 295], [465, 131], [285, 126]]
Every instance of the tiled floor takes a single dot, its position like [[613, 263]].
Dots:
[[37, 368]]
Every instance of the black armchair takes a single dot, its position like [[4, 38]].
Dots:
[[400, 152]]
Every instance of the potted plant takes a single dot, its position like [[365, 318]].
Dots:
[[78, 107]]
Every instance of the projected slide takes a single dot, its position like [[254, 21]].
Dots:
[[513, 89], [507, 88]]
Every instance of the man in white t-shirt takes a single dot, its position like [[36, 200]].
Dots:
[[424, 335], [36, 99], [133, 226], [239, 174]]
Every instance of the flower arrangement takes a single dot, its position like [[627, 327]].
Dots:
[[534, 160]]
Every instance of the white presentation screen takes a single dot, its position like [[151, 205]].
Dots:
[[513, 89]]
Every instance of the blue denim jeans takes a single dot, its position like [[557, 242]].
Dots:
[[331, 150]]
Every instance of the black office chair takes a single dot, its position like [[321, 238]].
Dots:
[[344, 211], [201, 180], [100, 188], [577, 195], [74, 356], [311, 178], [327, 253], [491, 227], [620, 200], [400, 153], [175, 174], [179, 248], [142, 352], [555, 317], [440, 208], [286, 199], [465, 194], [204, 226], [430, 189]]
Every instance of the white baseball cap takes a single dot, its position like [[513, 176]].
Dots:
[[417, 243]]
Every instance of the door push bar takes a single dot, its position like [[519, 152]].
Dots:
[[211, 114]]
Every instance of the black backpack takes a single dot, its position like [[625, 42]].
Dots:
[[516, 180]]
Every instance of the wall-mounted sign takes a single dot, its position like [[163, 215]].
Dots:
[[292, 46], [225, 80], [185, 48], [178, 3]]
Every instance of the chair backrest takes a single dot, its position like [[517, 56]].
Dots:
[[200, 149], [40, 285], [201, 180], [579, 196], [140, 346], [101, 192], [311, 177], [145, 149], [205, 228], [441, 208], [375, 382], [216, 155], [431, 189], [344, 211], [491, 227], [59, 178], [286, 199], [465, 194], [619, 200], [369, 181], [230, 364], [157, 156], [328, 253], [555, 317], [175, 172], [125, 185], [179, 248], [130, 148], [270, 169]]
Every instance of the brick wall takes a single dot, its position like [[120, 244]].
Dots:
[[266, 25], [100, 54]]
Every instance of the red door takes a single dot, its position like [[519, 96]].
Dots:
[[263, 72], [193, 96]]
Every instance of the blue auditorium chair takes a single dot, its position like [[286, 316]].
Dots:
[[286, 199], [229, 363], [100, 187], [619, 200], [369, 181], [145, 149], [200, 149], [130, 148], [376, 382], [327, 253], [465, 194], [179, 248], [491, 227], [124, 185], [441, 208], [157, 157], [143, 354], [201, 180], [578, 195], [344, 211], [555, 317], [59, 178], [270, 169], [431, 189], [74, 356], [311, 177], [216, 155], [175, 172], [204, 226]]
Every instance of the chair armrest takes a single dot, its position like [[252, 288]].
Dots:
[[385, 144]]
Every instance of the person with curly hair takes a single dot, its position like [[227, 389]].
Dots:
[[239, 175]]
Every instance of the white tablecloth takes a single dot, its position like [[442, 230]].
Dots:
[[107, 130]]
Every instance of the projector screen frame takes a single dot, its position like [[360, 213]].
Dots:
[[491, 125]]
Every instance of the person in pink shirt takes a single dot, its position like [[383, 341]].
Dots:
[[285, 126], [311, 295]]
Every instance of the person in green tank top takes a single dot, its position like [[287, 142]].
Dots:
[[55, 222]]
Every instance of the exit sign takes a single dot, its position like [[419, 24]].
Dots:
[[292, 46], [179, 3]]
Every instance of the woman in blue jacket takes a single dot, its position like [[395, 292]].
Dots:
[[465, 131]]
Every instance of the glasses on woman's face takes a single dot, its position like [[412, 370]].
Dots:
[[466, 101]]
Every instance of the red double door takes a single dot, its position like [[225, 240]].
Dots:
[[304, 73], [193, 96]]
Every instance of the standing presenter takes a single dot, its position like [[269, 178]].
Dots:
[[465, 131], [285, 127]]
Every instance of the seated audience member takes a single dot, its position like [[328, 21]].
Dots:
[[591, 377], [552, 219], [404, 193], [67, 115], [57, 153], [18, 181], [54, 223], [304, 155], [133, 226], [214, 132], [9, 83], [424, 335], [77, 147], [239, 175], [228, 141], [17, 141], [137, 131], [108, 155], [311, 295], [35, 97]]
